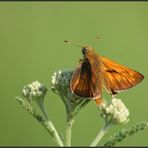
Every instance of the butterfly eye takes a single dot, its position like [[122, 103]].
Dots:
[[84, 50]]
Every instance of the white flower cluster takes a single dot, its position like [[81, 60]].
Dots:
[[115, 111], [34, 90], [60, 81], [54, 79]]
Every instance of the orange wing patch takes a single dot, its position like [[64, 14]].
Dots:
[[118, 77]]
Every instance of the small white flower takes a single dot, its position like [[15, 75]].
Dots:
[[115, 111], [25, 92], [108, 110], [103, 104], [55, 79]]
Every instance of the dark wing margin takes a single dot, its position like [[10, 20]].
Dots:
[[118, 77]]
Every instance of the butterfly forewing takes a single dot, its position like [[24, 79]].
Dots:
[[80, 82], [118, 77]]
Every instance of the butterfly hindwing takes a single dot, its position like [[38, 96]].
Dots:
[[118, 77]]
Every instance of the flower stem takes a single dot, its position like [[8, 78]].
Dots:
[[100, 134], [47, 124], [52, 131], [42, 107], [68, 131]]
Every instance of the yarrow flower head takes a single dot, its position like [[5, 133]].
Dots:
[[115, 111], [34, 90], [60, 84]]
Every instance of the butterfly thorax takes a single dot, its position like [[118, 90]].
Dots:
[[92, 58]]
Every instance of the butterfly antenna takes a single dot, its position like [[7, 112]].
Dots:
[[72, 43]]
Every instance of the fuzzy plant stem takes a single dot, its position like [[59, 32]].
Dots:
[[101, 134], [69, 121], [51, 129], [41, 105], [68, 132], [47, 124], [124, 133]]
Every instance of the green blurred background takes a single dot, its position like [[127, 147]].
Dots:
[[32, 48]]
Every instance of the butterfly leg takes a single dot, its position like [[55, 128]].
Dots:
[[81, 60]]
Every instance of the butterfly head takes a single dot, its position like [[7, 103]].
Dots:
[[86, 50]]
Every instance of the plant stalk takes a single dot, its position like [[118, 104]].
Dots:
[[101, 134], [69, 125], [48, 125]]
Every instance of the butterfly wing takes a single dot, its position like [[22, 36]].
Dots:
[[84, 81], [118, 77]]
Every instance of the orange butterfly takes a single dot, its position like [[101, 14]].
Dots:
[[95, 71]]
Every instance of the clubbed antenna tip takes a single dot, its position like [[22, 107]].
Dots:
[[66, 41]]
